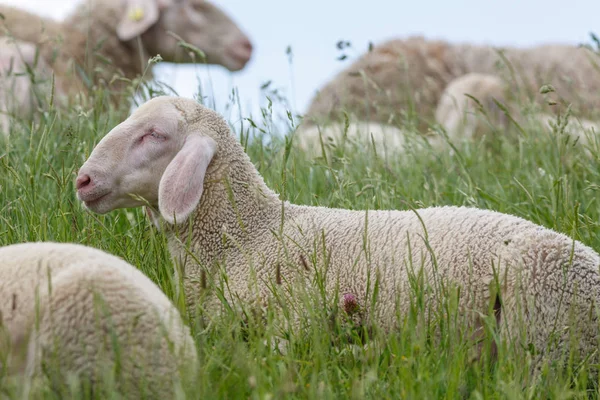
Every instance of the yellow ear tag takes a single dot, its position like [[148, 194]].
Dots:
[[136, 13]]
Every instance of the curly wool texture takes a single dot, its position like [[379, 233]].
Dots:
[[403, 76], [244, 241], [548, 275], [79, 307]]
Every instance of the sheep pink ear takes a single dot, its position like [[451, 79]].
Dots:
[[139, 16], [181, 185]]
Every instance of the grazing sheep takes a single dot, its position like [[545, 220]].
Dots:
[[460, 115], [464, 118], [103, 41], [204, 191], [395, 79], [76, 310], [400, 77], [17, 91]]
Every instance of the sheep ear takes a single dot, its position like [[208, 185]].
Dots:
[[139, 16], [181, 185]]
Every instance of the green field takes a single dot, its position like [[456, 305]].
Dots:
[[533, 173]]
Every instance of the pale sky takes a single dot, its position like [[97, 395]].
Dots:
[[312, 28]]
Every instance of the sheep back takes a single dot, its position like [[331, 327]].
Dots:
[[82, 311]]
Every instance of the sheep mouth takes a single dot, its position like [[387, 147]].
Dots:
[[92, 200], [238, 60]]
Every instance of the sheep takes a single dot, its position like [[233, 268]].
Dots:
[[401, 75], [86, 310], [392, 79], [181, 160], [104, 41], [18, 94], [462, 117], [470, 103]]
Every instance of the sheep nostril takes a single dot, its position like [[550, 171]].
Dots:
[[82, 181], [247, 45]]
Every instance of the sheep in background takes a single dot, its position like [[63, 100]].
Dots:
[[17, 91], [463, 117], [203, 190], [391, 81], [77, 310], [102, 42], [400, 77]]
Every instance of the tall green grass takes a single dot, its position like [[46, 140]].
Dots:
[[534, 173]]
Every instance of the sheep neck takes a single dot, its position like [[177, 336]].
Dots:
[[236, 210], [97, 22]]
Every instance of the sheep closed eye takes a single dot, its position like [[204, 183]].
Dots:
[[152, 135]]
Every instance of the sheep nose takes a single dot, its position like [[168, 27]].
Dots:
[[242, 49], [82, 181], [246, 45]]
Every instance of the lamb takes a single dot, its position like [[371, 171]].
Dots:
[[18, 93], [181, 160], [86, 310], [464, 118], [106, 42], [397, 78], [402, 77], [467, 117], [466, 109]]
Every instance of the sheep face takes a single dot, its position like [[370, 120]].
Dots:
[[197, 22], [152, 158]]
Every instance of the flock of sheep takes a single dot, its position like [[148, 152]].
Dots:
[[68, 303]]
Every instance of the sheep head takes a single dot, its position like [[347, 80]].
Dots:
[[155, 157], [198, 22]]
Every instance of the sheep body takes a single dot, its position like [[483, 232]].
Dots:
[[60, 46], [388, 81], [461, 116], [63, 302], [103, 42], [400, 75], [17, 91], [241, 228]]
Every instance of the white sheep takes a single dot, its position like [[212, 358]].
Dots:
[[462, 117], [465, 118], [203, 190], [109, 42], [18, 93], [82, 312], [406, 76]]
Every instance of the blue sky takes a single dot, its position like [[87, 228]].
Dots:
[[312, 28]]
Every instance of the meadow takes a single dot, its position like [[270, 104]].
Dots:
[[538, 174]]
